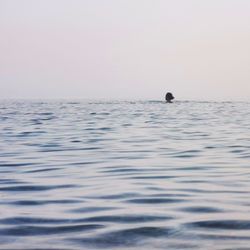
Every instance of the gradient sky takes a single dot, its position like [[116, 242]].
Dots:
[[125, 49]]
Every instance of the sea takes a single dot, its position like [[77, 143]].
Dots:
[[124, 175]]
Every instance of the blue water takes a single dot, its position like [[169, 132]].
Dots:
[[124, 175]]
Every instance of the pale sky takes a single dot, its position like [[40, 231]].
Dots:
[[125, 49]]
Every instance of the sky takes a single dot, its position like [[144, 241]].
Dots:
[[125, 49]]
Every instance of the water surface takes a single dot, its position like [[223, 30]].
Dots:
[[124, 175]]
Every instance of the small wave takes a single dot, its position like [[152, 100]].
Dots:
[[91, 209], [33, 188], [37, 230], [126, 237], [43, 170], [201, 209], [222, 224], [153, 177], [127, 218], [42, 202], [116, 196], [154, 200]]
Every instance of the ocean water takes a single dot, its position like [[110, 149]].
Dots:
[[124, 175]]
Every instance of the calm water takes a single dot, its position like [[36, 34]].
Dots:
[[124, 175]]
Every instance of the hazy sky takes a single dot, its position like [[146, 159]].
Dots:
[[198, 49]]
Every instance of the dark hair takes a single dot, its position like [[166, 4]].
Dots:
[[169, 97]]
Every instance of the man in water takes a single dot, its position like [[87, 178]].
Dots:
[[169, 97]]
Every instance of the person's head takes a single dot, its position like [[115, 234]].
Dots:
[[169, 97]]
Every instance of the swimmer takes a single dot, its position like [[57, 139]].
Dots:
[[169, 97]]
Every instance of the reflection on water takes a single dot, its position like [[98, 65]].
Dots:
[[119, 175]]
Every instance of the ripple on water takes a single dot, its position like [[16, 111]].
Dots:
[[201, 209], [43, 230], [222, 224], [127, 218], [154, 200], [42, 202], [86, 209], [125, 238], [34, 188]]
